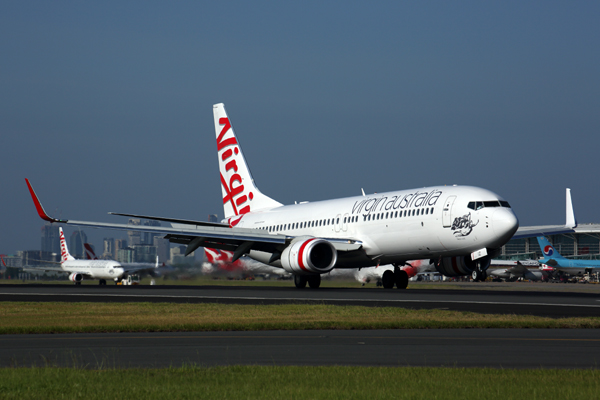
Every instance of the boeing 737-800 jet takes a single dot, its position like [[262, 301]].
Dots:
[[459, 227], [79, 270]]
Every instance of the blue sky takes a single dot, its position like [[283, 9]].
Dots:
[[107, 106]]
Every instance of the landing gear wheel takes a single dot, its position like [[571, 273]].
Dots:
[[78, 283], [300, 281], [314, 281], [478, 276], [401, 278], [102, 282], [387, 280]]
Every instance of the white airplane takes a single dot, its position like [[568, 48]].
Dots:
[[460, 227], [518, 271], [222, 260], [79, 270], [412, 269]]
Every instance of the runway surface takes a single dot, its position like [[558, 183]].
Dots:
[[517, 348], [495, 348], [554, 301]]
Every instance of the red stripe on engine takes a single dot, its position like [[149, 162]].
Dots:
[[301, 253], [454, 266]]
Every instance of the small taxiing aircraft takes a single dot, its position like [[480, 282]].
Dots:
[[79, 270]]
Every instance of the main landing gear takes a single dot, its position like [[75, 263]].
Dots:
[[102, 282], [478, 275], [314, 281], [396, 277]]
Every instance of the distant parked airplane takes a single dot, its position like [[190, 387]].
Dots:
[[565, 265], [516, 272]]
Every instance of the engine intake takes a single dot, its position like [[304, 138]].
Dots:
[[306, 256], [461, 265], [75, 277]]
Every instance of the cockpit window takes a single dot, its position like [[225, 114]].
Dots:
[[477, 205], [494, 203]]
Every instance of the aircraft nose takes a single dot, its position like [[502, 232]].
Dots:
[[504, 223]]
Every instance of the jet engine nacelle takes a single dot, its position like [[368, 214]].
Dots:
[[75, 277], [307, 256], [461, 265]]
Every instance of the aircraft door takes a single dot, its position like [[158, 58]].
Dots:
[[338, 222], [346, 220], [447, 211]]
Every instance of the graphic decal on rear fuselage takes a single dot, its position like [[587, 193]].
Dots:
[[463, 226], [384, 203]]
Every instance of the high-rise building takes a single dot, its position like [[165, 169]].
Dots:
[[50, 238], [148, 237], [163, 248], [144, 254], [120, 244], [78, 238], [135, 237], [108, 249]]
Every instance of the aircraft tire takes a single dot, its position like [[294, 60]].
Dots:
[[300, 281], [478, 275], [314, 281], [102, 282], [387, 280], [401, 278]]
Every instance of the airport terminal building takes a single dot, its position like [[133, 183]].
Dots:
[[584, 243]]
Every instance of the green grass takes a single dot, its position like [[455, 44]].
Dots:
[[56, 317], [239, 382]]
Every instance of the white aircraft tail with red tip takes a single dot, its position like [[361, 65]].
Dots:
[[89, 252], [64, 251], [240, 194]]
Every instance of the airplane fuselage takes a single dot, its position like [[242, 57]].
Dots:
[[95, 269], [572, 267], [440, 221]]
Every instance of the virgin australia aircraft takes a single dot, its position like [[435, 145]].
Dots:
[[459, 227], [561, 264], [79, 270]]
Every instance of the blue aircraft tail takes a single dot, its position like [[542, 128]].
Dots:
[[547, 249]]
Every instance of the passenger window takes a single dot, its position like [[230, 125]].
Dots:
[[413, 213]]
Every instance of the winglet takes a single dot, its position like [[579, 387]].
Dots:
[[38, 205], [571, 221], [2, 257]]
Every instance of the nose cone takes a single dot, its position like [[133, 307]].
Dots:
[[119, 271], [505, 224]]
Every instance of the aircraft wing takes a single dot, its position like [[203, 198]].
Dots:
[[546, 230], [542, 230], [218, 236]]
